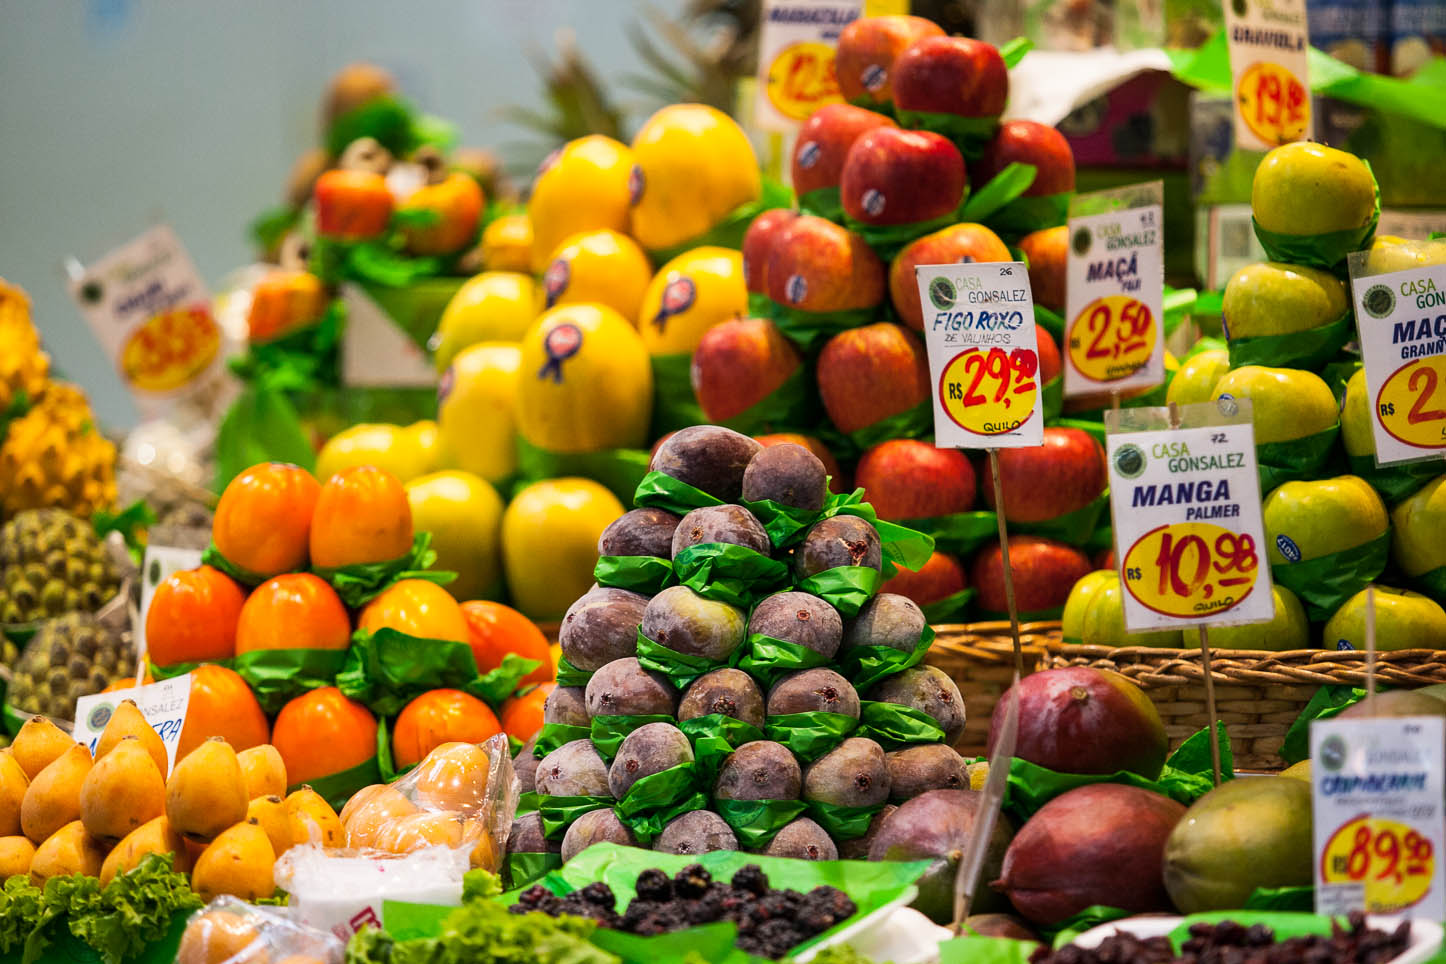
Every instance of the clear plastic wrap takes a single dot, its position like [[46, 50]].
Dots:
[[230, 931]]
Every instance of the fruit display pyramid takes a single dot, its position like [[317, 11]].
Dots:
[[736, 681]]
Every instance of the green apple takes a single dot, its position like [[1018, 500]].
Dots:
[[1417, 544], [1288, 403], [1390, 253], [1304, 189], [1404, 620], [1104, 620], [1197, 377], [1321, 517], [1072, 620], [1271, 298], [1356, 417], [1290, 629]]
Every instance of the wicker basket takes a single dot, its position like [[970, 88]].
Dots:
[[1258, 695]]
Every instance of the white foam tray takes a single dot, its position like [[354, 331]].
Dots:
[[1425, 935]]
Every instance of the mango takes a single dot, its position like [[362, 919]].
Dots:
[[1246, 833], [271, 815], [70, 850], [222, 935], [1306, 189], [38, 744], [53, 798], [1098, 844], [1271, 298], [152, 837], [313, 821], [239, 862], [263, 770], [207, 792], [16, 853], [122, 791], [1298, 771], [1396, 703], [127, 720], [13, 784]]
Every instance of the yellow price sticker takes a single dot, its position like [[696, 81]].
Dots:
[[1112, 338], [170, 349], [990, 392], [1273, 103], [1394, 863], [1412, 403], [1190, 570], [801, 80]]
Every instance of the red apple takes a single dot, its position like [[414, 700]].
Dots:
[[909, 479], [866, 52], [837, 482], [739, 363], [867, 374], [758, 243], [1044, 572], [956, 244], [1047, 252], [824, 141], [819, 266], [894, 176], [1044, 482], [940, 577], [951, 75], [1049, 363], [1027, 142]]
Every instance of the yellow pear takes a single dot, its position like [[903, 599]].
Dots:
[[128, 720], [273, 817], [152, 837], [313, 821], [222, 935], [263, 770], [38, 744], [13, 784], [239, 862], [70, 850], [206, 792], [123, 790], [53, 798], [16, 853]]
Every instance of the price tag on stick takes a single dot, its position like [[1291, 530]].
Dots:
[[796, 44], [1267, 40], [163, 704], [1401, 319], [1186, 507], [1115, 291]]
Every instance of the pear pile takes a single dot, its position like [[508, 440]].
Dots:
[[224, 816]]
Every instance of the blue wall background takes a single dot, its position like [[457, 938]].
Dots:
[[115, 114]]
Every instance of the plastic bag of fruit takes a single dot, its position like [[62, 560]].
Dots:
[[232, 931]]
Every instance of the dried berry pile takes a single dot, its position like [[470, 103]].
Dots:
[[1232, 943], [770, 922]]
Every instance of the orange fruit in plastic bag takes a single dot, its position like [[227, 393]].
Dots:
[[222, 935], [263, 519], [322, 732], [362, 515], [522, 715], [193, 617], [453, 777], [402, 835], [293, 611], [221, 705], [484, 850], [365, 822], [494, 630], [418, 608], [438, 717]]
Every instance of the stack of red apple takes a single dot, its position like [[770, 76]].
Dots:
[[833, 292]]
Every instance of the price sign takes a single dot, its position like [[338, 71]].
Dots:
[[1114, 295], [163, 705], [1267, 40], [796, 46], [1401, 317], [1377, 799], [151, 312], [1186, 506], [983, 355]]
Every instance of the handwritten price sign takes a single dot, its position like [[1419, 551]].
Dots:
[[1393, 862], [796, 44], [990, 392], [1191, 570], [1273, 103], [1112, 338], [801, 80], [1267, 44], [171, 349]]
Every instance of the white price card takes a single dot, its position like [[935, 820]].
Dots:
[[1376, 800], [1115, 291], [796, 44], [163, 705], [151, 311], [983, 355], [157, 566], [375, 351], [1401, 317], [1185, 500], [1268, 40]]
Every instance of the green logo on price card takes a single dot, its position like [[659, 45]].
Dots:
[[1082, 241], [1380, 301], [1130, 461], [942, 294]]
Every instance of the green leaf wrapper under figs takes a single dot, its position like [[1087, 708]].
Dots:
[[647, 575], [809, 735]]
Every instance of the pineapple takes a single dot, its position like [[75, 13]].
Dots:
[[23, 366], [55, 456]]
